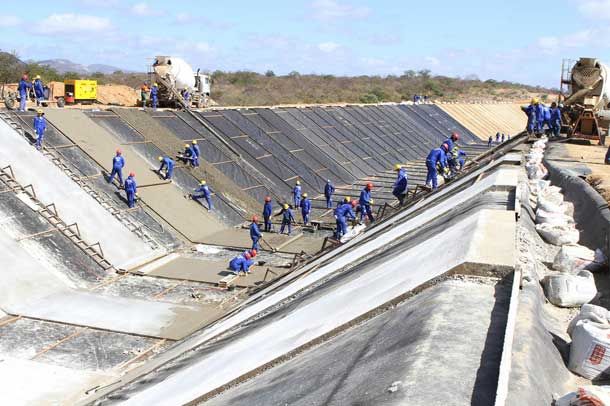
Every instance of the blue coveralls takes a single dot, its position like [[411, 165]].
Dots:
[[206, 194], [38, 91], [503, 137], [546, 119], [287, 220], [240, 264], [154, 97], [365, 205], [168, 163], [255, 235], [498, 137], [40, 125], [296, 196], [196, 154], [118, 162], [329, 189], [130, 189], [556, 121], [305, 210], [449, 143], [461, 158], [343, 212], [23, 87], [530, 111], [267, 210], [539, 109], [437, 155], [400, 186], [189, 155], [489, 141]]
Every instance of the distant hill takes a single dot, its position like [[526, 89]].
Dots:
[[64, 65], [11, 67]]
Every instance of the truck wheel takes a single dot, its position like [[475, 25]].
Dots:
[[61, 102]]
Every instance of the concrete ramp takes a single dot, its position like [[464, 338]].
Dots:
[[488, 119], [121, 247]]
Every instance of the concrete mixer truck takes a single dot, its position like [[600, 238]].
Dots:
[[585, 95], [173, 76]]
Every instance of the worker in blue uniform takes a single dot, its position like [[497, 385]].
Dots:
[[489, 141], [196, 153], [461, 159], [255, 233], [546, 119], [498, 137], [305, 209], [38, 90], [455, 137], [344, 212], [539, 108], [287, 218], [365, 202], [131, 189], [203, 191], [118, 162], [168, 164], [530, 111], [436, 156], [296, 194], [23, 89], [40, 126], [400, 185], [241, 263], [267, 211], [556, 120], [154, 96], [329, 189]]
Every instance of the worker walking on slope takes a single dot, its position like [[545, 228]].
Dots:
[[168, 164], [40, 126], [365, 202], [241, 263], [154, 96], [305, 209], [400, 186], [329, 189], [255, 233], [344, 212], [267, 211], [131, 189], [436, 156], [118, 162], [556, 120], [196, 153], [38, 90], [203, 191], [287, 218], [23, 88], [296, 194]]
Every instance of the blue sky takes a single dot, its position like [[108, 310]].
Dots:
[[519, 40]]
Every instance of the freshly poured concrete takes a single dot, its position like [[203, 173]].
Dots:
[[488, 119], [241, 238], [121, 247]]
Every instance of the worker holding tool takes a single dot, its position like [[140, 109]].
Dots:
[[305, 209], [241, 263], [436, 156], [556, 121], [168, 164], [255, 233], [287, 218], [188, 154], [40, 126], [365, 203], [400, 186], [329, 189], [267, 211], [154, 96], [203, 191], [344, 212], [131, 189], [23, 88], [296, 194], [196, 153], [118, 162], [38, 90]]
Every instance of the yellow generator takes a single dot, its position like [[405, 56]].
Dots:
[[80, 91]]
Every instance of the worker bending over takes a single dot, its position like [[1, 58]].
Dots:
[[118, 162], [329, 189], [344, 212], [365, 203], [131, 189], [168, 164], [188, 156], [203, 191], [40, 126], [400, 186], [267, 211], [154, 96], [23, 88], [196, 153], [38, 90], [455, 137], [241, 263], [255, 233], [296, 194], [287, 218], [436, 156], [556, 120], [305, 209]]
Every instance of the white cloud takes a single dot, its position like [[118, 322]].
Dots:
[[432, 61], [9, 21], [144, 10], [328, 47], [72, 23], [331, 10], [595, 9], [184, 18]]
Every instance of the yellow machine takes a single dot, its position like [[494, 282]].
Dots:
[[80, 91]]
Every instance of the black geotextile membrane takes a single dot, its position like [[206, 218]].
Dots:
[[114, 125], [432, 135], [440, 133], [52, 136], [179, 127], [450, 123]]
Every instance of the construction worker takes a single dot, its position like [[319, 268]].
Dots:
[[305, 209], [188, 154], [203, 191], [436, 156], [490, 141], [40, 126], [143, 94], [455, 137], [23, 88], [168, 164], [267, 211], [329, 189], [255, 233], [241, 263], [131, 189], [118, 162], [461, 158], [296, 194], [344, 212], [187, 97], [400, 186], [154, 96], [497, 138], [196, 153], [531, 115], [540, 114], [38, 90], [556, 120], [287, 218], [365, 203]]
